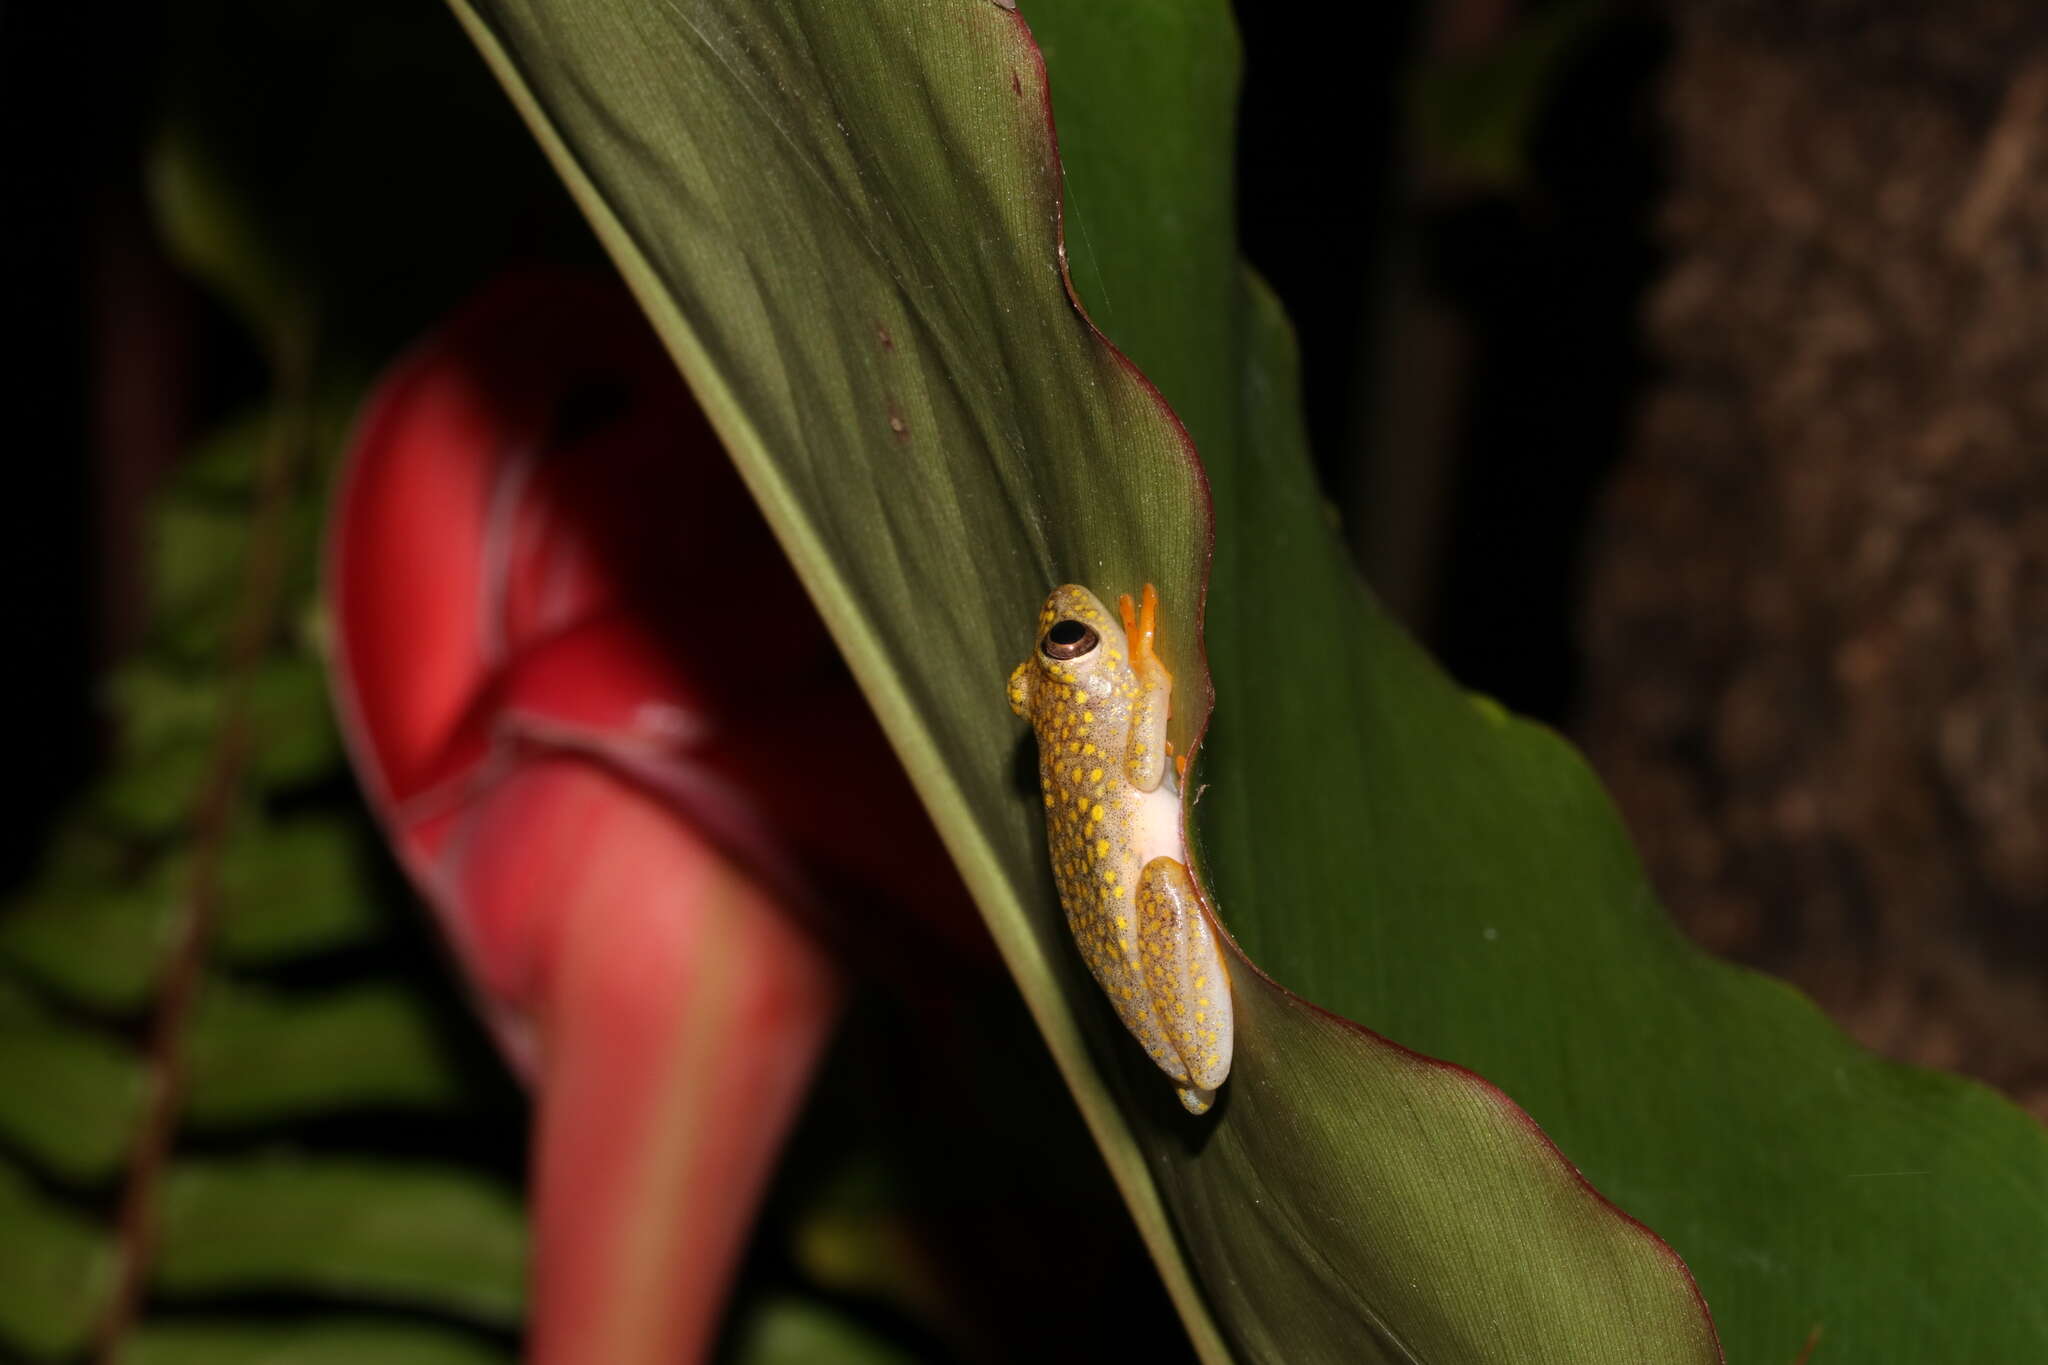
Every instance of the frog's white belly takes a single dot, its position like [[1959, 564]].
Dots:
[[1155, 825]]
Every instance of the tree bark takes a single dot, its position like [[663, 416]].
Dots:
[[1817, 635]]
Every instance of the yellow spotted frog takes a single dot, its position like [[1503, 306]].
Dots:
[[1098, 698]]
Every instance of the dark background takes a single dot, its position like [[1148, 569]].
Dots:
[[1678, 370]]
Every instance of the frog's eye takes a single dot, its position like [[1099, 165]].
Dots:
[[1069, 640]]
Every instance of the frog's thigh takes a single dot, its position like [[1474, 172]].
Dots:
[[1108, 945], [1185, 975]]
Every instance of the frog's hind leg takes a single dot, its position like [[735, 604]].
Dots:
[[1145, 760], [1105, 935], [1185, 976]]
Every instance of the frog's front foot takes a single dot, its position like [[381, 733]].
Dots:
[[1193, 1100]]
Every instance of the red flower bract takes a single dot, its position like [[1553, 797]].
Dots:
[[616, 751]]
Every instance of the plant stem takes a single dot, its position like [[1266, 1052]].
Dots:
[[255, 624]]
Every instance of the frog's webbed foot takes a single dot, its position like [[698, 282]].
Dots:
[[1185, 977], [1145, 761]]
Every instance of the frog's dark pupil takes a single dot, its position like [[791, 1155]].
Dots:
[[1069, 640]]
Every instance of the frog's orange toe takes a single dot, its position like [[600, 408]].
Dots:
[[1141, 625]]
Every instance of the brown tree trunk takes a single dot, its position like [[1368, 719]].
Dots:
[[1817, 673]]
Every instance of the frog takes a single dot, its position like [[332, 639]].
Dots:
[[1098, 699]]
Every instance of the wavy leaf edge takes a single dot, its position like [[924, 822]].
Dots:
[[872, 665]]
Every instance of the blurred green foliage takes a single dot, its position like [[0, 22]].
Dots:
[[336, 175]]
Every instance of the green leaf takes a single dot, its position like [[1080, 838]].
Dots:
[[150, 795], [56, 1270], [842, 218], [198, 549], [293, 888], [210, 225], [790, 1331], [69, 1095], [98, 947], [267, 1056], [295, 737], [359, 1230], [162, 707], [852, 1240], [326, 1341]]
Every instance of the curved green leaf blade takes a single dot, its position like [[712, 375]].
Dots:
[[1809, 1184], [1411, 858], [843, 219]]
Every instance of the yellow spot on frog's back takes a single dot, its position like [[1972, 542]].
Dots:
[[1095, 814]]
